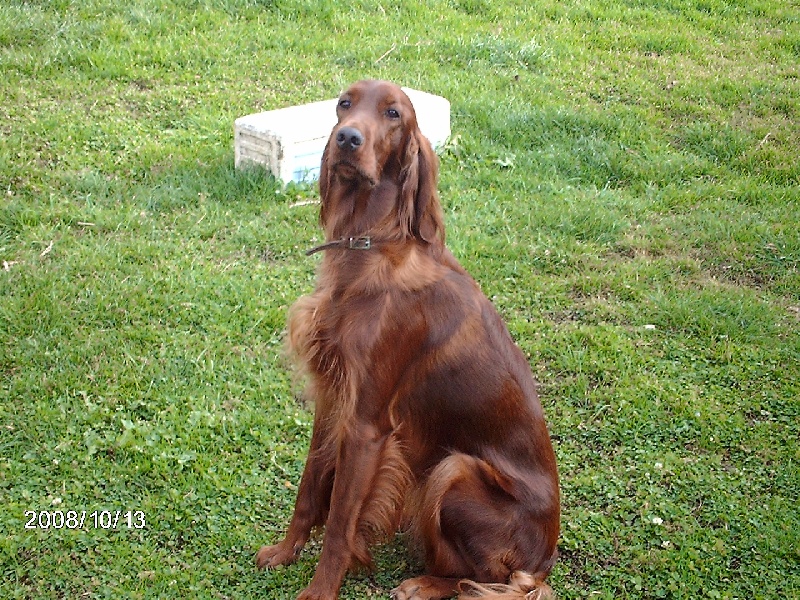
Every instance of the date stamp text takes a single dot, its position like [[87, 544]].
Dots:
[[85, 519]]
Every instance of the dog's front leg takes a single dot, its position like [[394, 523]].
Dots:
[[357, 462], [311, 505]]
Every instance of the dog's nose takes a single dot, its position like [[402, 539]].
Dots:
[[349, 138]]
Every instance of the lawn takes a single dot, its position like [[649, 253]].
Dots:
[[623, 180]]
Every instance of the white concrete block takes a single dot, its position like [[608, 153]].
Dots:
[[289, 141]]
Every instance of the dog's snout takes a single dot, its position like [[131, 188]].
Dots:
[[349, 138]]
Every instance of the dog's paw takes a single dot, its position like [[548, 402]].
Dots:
[[404, 592], [311, 594], [283, 553], [425, 588]]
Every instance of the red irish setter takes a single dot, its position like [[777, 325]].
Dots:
[[426, 411]]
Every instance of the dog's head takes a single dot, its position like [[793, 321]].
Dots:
[[377, 141]]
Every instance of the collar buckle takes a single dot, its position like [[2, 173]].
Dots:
[[359, 243]]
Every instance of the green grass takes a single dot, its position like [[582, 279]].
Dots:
[[622, 180]]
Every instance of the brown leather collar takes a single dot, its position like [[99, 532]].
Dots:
[[363, 242]]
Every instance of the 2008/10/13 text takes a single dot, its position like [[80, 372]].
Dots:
[[78, 519]]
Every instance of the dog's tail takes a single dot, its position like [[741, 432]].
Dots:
[[521, 586]]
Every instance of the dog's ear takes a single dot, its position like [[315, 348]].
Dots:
[[420, 212], [324, 186]]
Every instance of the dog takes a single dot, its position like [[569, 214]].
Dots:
[[426, 412]]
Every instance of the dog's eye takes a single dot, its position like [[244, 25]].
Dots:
[[345, 103], [392, 113]]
